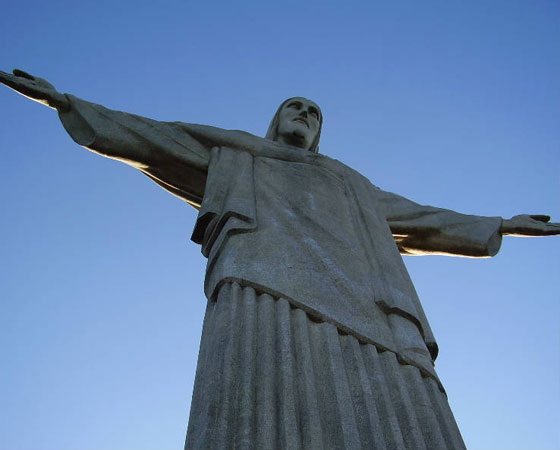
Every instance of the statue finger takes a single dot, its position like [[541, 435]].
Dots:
[[5, 76], [23, 74], [9, 80], [552, 231], [24, 86], [19, 84], [539, 217]]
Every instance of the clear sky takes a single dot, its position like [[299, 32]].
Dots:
[[449, 103]]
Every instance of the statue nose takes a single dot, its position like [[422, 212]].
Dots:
[[303, 113]]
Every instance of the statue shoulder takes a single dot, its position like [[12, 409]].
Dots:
[[215, 136], [356, 177]]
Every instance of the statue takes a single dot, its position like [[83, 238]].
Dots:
[[314, 336]]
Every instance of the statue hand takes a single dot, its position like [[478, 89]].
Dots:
[[35, 88], [529, 225]]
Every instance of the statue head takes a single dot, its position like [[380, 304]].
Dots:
[[297, 122]]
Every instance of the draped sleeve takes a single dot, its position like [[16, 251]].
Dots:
[[167, 152], [421, 230]]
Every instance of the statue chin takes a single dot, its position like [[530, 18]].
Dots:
[[296, 138]]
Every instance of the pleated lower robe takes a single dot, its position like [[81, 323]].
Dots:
[[270, 377]]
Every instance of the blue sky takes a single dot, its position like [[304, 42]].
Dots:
[[454, 104]]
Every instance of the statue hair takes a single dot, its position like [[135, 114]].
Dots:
[[272, 132]]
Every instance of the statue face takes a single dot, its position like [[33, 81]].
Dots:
[[298, 122]]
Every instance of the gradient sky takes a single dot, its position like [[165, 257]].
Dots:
[[449, 103]]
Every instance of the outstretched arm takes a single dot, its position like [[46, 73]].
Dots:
[[170, 153], [422, 229], [426, 230]]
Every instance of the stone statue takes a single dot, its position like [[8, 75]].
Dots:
[[314, 336]]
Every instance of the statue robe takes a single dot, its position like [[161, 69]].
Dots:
[[277, 222]]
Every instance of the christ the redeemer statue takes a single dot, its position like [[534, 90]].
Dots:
[[314, 337]]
